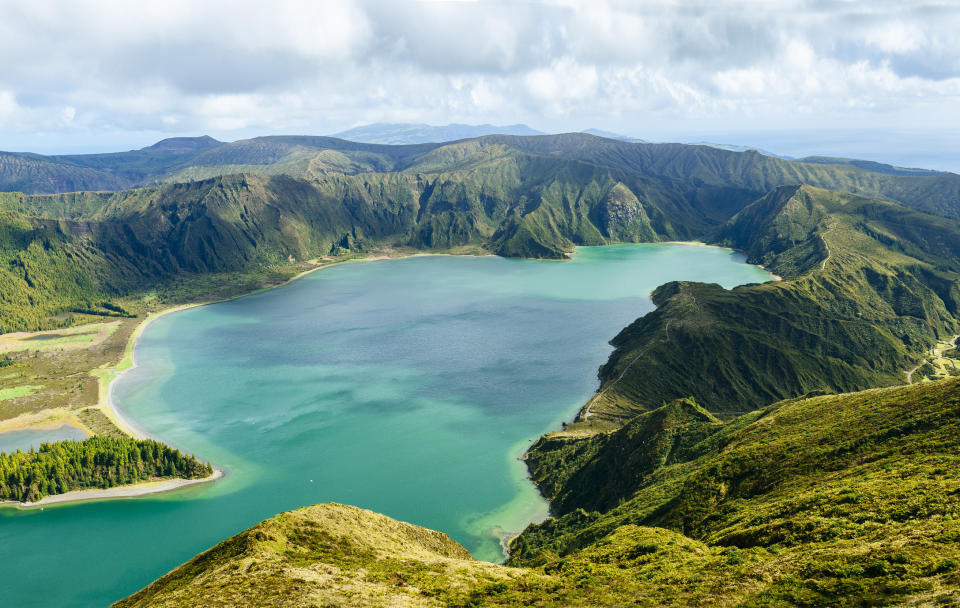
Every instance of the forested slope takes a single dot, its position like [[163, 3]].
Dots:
[[98, 462]]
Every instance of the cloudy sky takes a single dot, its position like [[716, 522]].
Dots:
[[85, 75]]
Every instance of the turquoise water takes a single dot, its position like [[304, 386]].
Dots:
[[11, 441], [410, 387]]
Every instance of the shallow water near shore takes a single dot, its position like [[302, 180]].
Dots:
[[11, 441], [410, 387]]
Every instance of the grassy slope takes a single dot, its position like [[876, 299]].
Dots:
[[124, 242], [833, 500], [829, 501], [325, 555], [868, 286], [706, 167], [197, 158], [711, 179]]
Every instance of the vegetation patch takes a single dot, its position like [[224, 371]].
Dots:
[[18, 391], [98, 462]]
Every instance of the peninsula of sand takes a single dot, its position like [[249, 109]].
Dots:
[[128, 491]]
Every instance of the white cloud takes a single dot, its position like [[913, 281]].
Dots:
[[244, 67], [899, 38], [562, 80]]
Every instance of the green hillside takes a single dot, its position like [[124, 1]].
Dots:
[[124, 242], [832, 500], [849, 500], [713, 182], [868, 286]]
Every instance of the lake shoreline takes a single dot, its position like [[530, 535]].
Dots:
[[107, 376], [129, 362], [135, 490]]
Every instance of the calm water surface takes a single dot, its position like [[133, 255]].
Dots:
[[11, 441], [410, 387]]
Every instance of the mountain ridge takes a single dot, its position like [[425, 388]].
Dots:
[[671, 165]]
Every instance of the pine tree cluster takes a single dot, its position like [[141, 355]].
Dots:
[[98, 462]]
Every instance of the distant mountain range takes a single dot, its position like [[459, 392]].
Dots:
[[372, 148], [736, 148], [612, 135], [870, 165], [409, 133]]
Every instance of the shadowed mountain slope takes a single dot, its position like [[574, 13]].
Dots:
[[707, 177]]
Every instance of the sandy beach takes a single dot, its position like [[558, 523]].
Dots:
[[130, 491], [106, 376], [776, 277]]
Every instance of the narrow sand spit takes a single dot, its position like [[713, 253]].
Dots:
[[131, 491]]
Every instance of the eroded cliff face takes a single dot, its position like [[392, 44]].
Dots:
[[623, 217]]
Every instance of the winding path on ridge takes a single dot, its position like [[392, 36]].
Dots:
[[935, 352], [823, 237], [586, 411]]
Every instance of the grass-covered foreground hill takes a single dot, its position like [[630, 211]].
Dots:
[[837, 500]]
